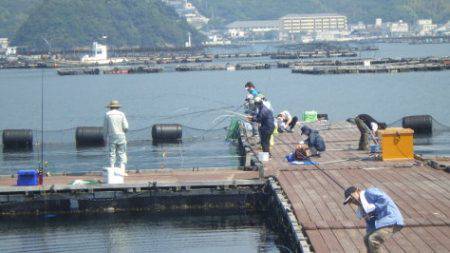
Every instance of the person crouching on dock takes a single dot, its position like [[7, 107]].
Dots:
[[383, 218], [115, 126]]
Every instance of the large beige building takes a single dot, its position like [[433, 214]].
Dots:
[[309, 23]]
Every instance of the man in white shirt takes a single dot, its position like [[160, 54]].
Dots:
[[114, 128]]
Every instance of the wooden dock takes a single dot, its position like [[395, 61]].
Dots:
[[316, 195]]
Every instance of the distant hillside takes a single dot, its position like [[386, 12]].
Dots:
[[74, 23], [13, 13], [225, 11]]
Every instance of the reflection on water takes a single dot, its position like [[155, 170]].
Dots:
[[137, 232]]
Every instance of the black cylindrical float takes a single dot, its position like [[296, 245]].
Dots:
[[89, 137], [167, 133], [17, 140], [322, 116], [421, 124]]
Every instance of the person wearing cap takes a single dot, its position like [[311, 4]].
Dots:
[[251, 89], [267, 123], [382, 216], [314, 141], [114, 128]]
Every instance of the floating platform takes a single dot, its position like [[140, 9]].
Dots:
[[313, 54], [71, 72], [305, 199], [384, 68]]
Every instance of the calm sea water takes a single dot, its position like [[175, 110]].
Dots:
[[199, 101], [138, 232]]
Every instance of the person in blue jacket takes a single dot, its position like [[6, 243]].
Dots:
[[314, 141], [266, 120], [383, 218]]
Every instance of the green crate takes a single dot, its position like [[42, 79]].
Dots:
[[309, 116]]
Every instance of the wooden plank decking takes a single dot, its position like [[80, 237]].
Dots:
[[421, 192]]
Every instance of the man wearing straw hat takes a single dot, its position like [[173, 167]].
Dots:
[[115, 126]]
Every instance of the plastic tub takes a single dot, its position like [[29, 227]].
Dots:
[[263, 156]]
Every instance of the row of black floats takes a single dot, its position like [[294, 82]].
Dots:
[[21, 140]]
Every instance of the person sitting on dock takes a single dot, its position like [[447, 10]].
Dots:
[[267, 124], [115, 126], [301, 153], [286, 122], [314, 141], [383, 218], [368, 127]]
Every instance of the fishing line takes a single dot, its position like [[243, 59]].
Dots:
[[222, 116]]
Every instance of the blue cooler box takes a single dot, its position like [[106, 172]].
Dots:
[[27, 177]]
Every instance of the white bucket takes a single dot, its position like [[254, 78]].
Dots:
[[113, 175], [263, 156]]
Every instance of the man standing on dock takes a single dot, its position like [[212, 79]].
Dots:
[[383, 218], [115, 126], [267, 124]]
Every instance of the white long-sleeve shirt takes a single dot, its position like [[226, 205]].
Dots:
[[115, 123], [366, 206]]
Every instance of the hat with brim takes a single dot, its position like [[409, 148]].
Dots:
[[348, 194], [114, 104]]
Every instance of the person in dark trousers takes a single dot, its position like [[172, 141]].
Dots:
[[314, 141], [286, 121], [367, 126], [267, 124], [383, 218]]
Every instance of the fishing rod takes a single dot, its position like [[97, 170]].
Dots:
[[317, 166], [41, 164]]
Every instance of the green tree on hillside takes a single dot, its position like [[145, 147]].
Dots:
[[73, 23]]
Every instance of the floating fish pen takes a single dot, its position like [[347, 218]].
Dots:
[[371, 61], [71, 72], [252, 66], [174, 60], [314, 54], [241, 55], [202, 67], [304, 200], [136, 70], [382, 68]]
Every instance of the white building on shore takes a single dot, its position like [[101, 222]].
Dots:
[[99, 55], [424, 27], [399, 28], [5, 49], [327, 25], [242, 29]]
